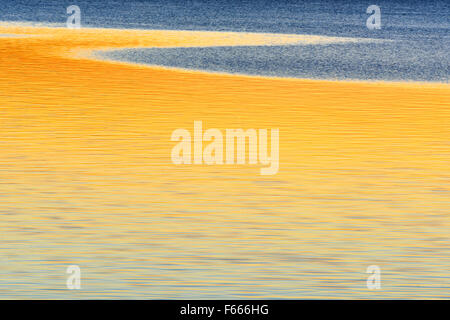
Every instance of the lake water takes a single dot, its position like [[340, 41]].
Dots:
[[86, 177], [417, 50]]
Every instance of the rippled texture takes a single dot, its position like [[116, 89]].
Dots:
[[361, 59], [401, 19], [86, 178], [415, 35]]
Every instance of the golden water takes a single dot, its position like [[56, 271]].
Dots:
[[86, 178]]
